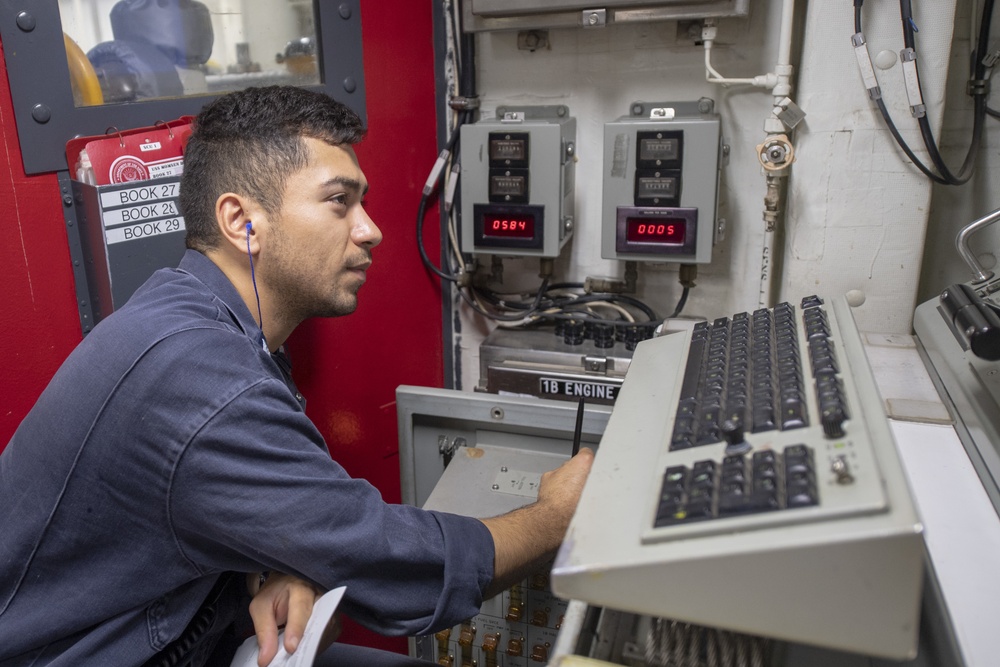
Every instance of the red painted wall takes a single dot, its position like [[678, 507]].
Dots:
[[348, 368]]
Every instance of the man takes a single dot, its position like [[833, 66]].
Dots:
[[172, 450]]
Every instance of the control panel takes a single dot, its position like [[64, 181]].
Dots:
[[748, 480], [661, 173], [517, 182]]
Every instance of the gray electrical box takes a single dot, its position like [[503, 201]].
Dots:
[[517, 182], [480, 15], [661, 183]]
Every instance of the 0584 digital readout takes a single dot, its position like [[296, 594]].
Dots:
[[508, 226]]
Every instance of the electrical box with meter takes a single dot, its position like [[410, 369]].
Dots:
[[517, 182], [661, 183]]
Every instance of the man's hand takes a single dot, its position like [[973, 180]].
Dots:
[[527, 537], [284, 600]]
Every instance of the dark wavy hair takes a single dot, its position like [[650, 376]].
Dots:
[[249, 142]]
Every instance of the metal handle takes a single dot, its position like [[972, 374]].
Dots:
[[962, 243]]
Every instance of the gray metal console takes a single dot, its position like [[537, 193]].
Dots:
[[747, 480]]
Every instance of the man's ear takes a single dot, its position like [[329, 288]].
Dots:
[[233, 213]]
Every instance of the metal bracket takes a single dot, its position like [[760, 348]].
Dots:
[[594, 18]]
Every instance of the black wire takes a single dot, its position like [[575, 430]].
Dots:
[[993, 112], [465, 71], [681, 302], [613, 298], [977, 72], [557, 286], [421, 213], [906, 148]]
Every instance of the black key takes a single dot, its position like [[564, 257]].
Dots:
[[686, 407], [763, 419], [702, 480], [763, 500], [764, 470], [811, 301], [802, 497], [682, 441], [766, 456], [675, 479], [798, 450], [668, 514], [730, 505], [769, 484], [700, 509], [684, 425], [793, 414]]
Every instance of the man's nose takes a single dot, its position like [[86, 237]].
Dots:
[[366, 232]]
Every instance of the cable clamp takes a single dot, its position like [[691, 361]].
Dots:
[[463, 103], [910, 77], [978, 87], [865, 65]]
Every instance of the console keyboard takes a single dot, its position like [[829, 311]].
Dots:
[[751, 457], [747, 371]]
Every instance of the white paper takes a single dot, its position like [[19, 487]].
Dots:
[[305, 654]]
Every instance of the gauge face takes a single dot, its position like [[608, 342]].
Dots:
[[508, 149], [509, 226], [655, 230], [508, 186], [653, 187], [659, 148]]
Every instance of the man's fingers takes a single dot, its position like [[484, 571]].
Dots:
[[300, 605], [266, 628]]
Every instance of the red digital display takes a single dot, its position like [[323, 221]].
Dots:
[[656, 230], [509, 226]]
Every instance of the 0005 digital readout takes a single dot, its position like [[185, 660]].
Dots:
[[509, 227], [655, 230]]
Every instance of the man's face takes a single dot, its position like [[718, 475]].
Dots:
[[320, 245]]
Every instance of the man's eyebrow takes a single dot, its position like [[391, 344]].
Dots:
[[348, 183]]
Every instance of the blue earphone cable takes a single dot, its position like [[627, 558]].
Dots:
[[253, 279]]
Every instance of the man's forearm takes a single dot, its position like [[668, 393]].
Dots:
[[529, 537], [524, 540]]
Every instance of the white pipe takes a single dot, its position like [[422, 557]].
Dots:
[[781, 87], [773, 125], [785, 33], [783, 68]]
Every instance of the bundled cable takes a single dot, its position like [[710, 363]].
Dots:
[[978, 89]]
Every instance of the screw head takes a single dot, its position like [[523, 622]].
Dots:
[[345, 11], [350, 85], [26, 21], [41, 113]]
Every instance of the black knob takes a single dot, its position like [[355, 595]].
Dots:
[[573, 332], [732, 433], [603, 334], [833, 423]]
